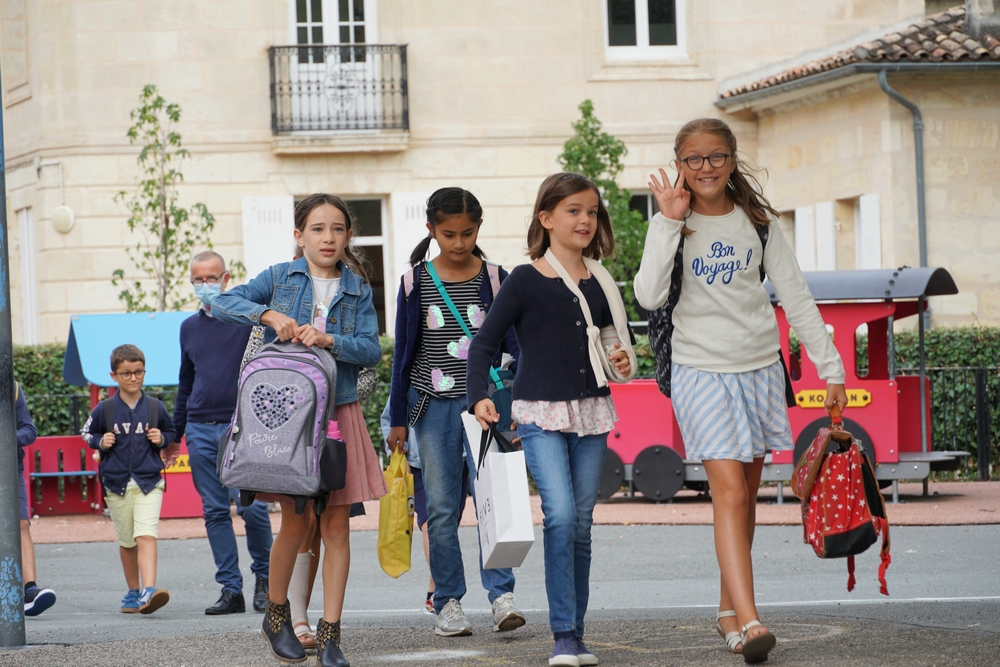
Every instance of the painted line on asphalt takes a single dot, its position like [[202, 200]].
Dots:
[[791, 603]]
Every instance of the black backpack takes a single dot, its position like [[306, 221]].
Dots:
[[660, 325]]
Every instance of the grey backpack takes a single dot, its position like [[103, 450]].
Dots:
[[277, 441]]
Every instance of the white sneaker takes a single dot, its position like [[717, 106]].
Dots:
[[451, 622], [505, 615]]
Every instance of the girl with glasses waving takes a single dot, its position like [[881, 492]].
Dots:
[[725, 374]]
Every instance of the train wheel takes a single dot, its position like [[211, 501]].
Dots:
[[612, 476], [658, 472], [808, 434]]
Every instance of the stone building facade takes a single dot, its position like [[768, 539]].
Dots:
[[490, 92]]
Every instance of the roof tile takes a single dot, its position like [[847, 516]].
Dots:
[[937, 38]]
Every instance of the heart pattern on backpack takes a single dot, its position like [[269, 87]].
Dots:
[[274, 406]]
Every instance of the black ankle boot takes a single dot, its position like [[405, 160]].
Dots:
[[328, 652], [277, 630]]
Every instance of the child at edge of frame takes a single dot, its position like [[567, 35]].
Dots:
[[129, 430]]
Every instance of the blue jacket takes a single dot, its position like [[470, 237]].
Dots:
[[27, 432], [132, 456], [408, 328], [287, 288]]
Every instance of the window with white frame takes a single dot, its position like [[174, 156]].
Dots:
[[645, 203], [645, 29], [332, 21]]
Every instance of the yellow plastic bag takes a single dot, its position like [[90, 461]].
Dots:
[[395, 518]]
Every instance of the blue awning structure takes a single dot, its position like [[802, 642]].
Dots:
[[93, 337]]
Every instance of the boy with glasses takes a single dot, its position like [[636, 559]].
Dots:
[[129, 430]]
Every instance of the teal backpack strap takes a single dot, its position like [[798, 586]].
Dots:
[[432, 272]]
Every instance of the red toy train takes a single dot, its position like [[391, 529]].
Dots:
[[646, 448]]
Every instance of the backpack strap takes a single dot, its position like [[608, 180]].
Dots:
[[432, 272], [153, 419], [108, 404], [493, 271], [763, 231], [408, 281]]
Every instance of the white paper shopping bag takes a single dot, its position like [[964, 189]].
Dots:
[[502, 504]]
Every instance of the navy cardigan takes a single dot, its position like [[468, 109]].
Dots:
[[408, 328], [549, 323]]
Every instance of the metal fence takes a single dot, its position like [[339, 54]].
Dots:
[[326, 87], [965, 412]]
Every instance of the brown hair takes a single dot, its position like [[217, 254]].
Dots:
[[124, 353], [354, 258], [553, 190], [743, 188]]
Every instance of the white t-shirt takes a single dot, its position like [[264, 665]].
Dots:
[[724, 321], [324, 291]]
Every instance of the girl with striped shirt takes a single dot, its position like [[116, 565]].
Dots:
[[727, 382], [429, 387]]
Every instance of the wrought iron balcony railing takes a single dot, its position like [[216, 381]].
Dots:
[[326, 87]]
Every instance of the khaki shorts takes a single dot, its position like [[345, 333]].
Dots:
[[135, 514]]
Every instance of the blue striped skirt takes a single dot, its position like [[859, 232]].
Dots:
[[733, 416]]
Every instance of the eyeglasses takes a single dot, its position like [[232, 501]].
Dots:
[[127, 375], [696, 162], [211, 280]]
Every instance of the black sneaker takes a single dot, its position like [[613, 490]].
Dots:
[[37, 600], [260, 591]]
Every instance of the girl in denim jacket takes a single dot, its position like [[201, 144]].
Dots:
[[322, 299]]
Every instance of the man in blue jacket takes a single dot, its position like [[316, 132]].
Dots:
[[211, 352]]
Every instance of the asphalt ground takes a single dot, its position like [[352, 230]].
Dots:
[[654, 590]]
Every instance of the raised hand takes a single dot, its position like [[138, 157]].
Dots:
[[674, 202]]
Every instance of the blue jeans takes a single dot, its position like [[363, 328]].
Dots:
[[203, 449], [441, 438], [567, 469]]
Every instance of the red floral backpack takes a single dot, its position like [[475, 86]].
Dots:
[[842, 508]]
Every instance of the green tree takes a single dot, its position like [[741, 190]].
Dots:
[[598, 155], [170, 233]]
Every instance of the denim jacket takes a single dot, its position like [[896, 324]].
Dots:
[[287, 289], [408, 327]]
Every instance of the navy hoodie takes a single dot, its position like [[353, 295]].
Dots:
[[132, 456]]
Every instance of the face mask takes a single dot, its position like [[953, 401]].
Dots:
[[206, 293]]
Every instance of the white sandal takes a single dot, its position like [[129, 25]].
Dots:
[[306, 635], [733, 638], [757, 647]]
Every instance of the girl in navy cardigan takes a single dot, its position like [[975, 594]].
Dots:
[[428, 393], [562, 402]]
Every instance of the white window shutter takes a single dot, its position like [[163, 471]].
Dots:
[[826, 237], [29, 285], [268, 232], [408, 226], [868, 233], [805, 238]]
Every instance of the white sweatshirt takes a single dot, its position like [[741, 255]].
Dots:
[[724, 321]]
